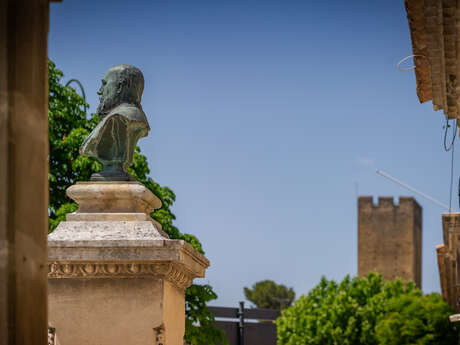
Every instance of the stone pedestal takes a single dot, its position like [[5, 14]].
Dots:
[[114, 276]]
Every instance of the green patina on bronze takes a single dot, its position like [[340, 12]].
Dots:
[[122, 123]]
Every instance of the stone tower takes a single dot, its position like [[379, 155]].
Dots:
[[390, 238]]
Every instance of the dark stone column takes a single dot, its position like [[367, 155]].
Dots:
[[23, 171]]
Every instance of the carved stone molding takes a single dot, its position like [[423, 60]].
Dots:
[[174, 273], [159, 335], [52, 336]]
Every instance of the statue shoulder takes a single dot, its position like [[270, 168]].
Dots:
[[129, 111]]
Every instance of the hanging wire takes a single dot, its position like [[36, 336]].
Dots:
[[405, 59], [454, 134], [451, 176], [412, 189], [81, 89], [450, 148]]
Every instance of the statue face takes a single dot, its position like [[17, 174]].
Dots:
[[109, 92]]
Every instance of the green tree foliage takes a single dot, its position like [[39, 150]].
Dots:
[[416, 319], [268, 294], [68, 127], [367, 311]]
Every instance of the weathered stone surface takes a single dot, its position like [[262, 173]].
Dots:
[[107, 217], [107, 310], [113, 197], [390, 238], [448, 259], [104, 230]]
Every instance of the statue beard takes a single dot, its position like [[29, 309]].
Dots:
[[105, 105]]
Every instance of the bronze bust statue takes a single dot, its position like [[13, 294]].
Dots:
[[122, 123]]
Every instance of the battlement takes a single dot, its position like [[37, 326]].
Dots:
[[387, 201]]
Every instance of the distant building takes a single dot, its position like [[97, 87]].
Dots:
[[390, 238]]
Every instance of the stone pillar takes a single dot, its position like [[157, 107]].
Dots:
[[114, 276], [23, 171]]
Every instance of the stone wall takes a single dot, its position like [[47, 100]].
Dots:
[[449, 259], [390, 238]]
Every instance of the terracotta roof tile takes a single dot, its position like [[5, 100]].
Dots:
[[416, 18], [435, 34]]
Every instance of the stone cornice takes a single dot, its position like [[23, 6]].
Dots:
[[175, 273], [126, 252], [195, 256]]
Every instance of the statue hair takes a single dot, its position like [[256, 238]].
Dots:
[[131, 84]]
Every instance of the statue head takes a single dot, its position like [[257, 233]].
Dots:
[[121, 84]]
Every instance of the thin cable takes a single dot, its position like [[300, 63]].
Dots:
[[391, 178], [447, 149], [451, 175], [454, 134], [405, 59]]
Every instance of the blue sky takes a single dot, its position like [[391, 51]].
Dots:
[[268, 118]]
